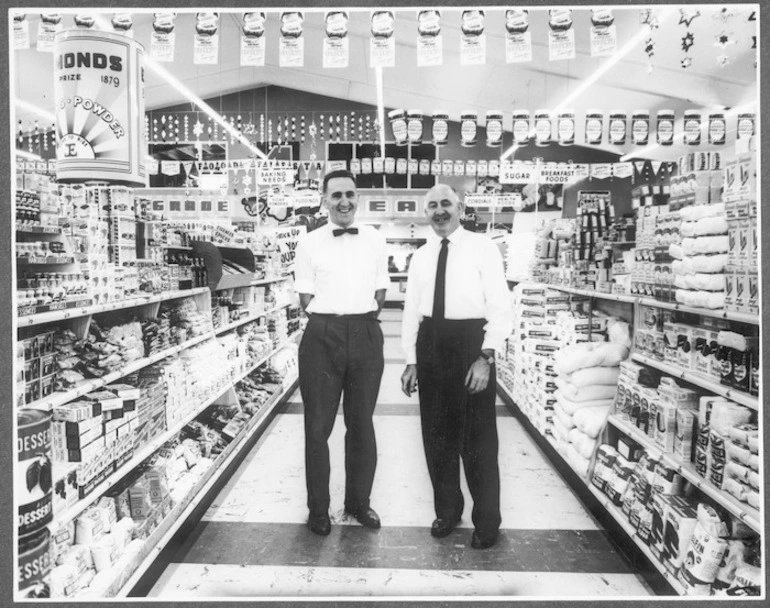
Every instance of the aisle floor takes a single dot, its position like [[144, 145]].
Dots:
[[253, 541]]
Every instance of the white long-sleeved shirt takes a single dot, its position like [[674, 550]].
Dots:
[[341, 272], [475, 288]]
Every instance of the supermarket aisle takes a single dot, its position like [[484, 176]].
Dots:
[[253, 541]]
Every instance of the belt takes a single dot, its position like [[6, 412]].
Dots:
[[364, 315]]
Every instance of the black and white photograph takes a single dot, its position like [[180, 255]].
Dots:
[[319, 305]]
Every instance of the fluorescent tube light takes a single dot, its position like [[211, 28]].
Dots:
[[27, 155]]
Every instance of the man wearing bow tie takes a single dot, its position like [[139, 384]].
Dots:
[[341, 275]]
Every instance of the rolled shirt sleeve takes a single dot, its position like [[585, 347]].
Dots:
[[304, 278]]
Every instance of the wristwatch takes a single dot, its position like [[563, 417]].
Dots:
[[490, 359]]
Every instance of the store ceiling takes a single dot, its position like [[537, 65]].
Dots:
[[722, 73]]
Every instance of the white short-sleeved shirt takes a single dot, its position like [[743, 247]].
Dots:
[[341, 272]]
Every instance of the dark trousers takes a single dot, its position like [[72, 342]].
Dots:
[[456, 424], [340, 356]]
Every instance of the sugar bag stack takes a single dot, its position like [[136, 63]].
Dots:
[[701, 257], [587, 384]]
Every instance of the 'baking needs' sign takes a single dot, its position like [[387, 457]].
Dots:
[[99, 94]]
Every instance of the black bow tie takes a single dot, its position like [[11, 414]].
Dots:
[[341, 231]]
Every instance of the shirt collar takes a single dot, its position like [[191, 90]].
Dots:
[[453, 238]]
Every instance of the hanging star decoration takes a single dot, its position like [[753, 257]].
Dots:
[[246, 180], [723, 60], [649, 47], [198, 128], [724, 14], [687, 15], [687, 62], [649, 18], [687, 41], [723, 40]]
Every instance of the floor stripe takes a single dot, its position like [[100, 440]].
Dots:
[[194, 581], [383, 409], [353, 546]]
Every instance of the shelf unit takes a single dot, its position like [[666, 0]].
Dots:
[[741, 510], [603, 500], [739, 317], [623, 522], [146, 451], [93, 309], [33, 229], [244, 320], [699, 380], [60, 398]]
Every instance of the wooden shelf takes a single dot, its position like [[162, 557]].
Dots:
[[741, 510], [699, 380], [93, 309], [163, 535], [623, 522]]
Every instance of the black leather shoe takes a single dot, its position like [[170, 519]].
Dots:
[[367, 518], [320, 524], [443, 527], [483, 541]]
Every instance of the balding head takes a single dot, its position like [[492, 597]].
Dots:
[[443, 209]]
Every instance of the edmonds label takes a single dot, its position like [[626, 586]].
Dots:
[[90, 60]]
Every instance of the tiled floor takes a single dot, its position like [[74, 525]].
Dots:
[[253, 541]]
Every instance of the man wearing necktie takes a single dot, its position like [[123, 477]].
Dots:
[[341, 275], [456, 315]]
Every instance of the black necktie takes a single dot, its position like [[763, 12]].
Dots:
[[439, 294], [341, 231]]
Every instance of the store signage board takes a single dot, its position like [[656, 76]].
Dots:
[[517, 173], [309, 198], [274, 176], [277, 199], [286, 240], [377, 206], [406, 207]]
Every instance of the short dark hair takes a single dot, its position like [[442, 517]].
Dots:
[[337, 173]]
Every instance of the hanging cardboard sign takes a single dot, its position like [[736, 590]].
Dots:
[[561, 38], [274, 176], [603, 32], [517, 173], [20, 32], [46, 30], [473, 41], [253, 39], [163, 40], [336, 51], [640, 127], [382, 44], [286, 240], [429, 39], [518, 39], [206, 39], [122, 24], [99, 100], [292, 44]]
